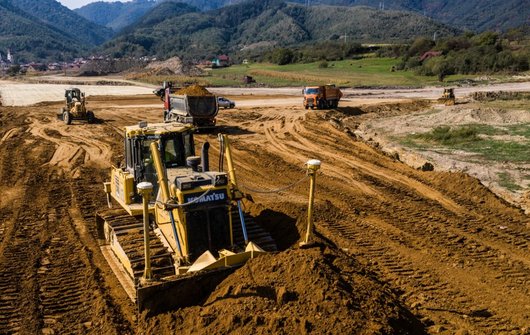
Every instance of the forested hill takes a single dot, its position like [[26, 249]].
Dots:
[[173, 29], [30, 39], [115, 15], [475, 15], [64, 20]]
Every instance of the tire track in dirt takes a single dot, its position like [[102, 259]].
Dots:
[[74, 143], [433, 240], [48, 282]]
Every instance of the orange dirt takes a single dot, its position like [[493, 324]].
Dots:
[[398, 251], [195, 90]]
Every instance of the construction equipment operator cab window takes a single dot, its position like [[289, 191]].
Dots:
[[175, 149], [311, 91]]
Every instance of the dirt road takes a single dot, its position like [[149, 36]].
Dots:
[[52, 89], [443, 245]]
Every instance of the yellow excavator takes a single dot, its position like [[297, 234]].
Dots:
[[178, 228]]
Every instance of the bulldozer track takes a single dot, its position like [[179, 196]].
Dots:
[[130, 234], [255, 233]]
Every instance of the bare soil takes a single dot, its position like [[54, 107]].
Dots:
[[386, 128], [399, 251]]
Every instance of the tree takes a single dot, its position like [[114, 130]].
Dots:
[[282, 56], [13, 70]]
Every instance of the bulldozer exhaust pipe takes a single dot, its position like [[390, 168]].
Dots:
[[205, 161]]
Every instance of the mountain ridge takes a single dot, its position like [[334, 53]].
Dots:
[[58, 16], [269, 22], [475, 15], [30, 39]]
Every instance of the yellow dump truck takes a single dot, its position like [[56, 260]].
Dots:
[[321, 97]]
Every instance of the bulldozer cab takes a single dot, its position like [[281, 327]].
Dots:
[[174, 145], [73, 95]]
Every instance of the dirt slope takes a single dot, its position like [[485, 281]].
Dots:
[[456, 255]]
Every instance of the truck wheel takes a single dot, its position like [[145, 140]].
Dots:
[[321, 104], [306, 107], [67, 118], [90, 117]]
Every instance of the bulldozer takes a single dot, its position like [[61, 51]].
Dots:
[[194, 230], [75, 107], [448, 97]]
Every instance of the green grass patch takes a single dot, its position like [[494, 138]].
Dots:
[[506, 181], [476, 139], [446, 135], [365, 72]]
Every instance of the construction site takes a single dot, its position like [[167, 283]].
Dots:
[[395, 249]]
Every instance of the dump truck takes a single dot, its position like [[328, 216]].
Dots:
[[192, 104], [178, 228], [75, 107], [321, 97], [448, 97]]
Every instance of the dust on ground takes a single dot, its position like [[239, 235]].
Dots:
[[399, 250]]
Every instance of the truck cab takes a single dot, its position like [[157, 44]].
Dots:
[[321, 97]]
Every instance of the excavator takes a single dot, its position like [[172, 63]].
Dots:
[[178, 228]]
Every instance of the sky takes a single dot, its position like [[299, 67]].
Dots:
[[72, 4]]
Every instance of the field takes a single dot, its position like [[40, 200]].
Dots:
[[398, 250], [365, 72]]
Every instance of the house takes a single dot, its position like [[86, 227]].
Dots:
[[54, 67], [221, 61], [36, 67]]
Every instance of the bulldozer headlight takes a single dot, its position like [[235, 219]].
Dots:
[[221, 180], [186, 186]]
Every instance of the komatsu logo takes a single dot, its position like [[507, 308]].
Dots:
[[210, 197]]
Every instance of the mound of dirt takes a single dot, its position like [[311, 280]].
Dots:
[[172, 66], [500, 95], [300, 291], [99, 67], [196, 90]]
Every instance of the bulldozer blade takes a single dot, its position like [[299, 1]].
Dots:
[[174, 293]]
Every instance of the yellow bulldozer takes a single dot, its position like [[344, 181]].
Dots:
[[178, 228], [75, 107], [448, 97]]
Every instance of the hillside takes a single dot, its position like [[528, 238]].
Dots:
[[63, 19], [115, 15], [118, 15], [476, 15], [30, 39], [173, 30]]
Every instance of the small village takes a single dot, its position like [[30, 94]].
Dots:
[[9, 65]]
